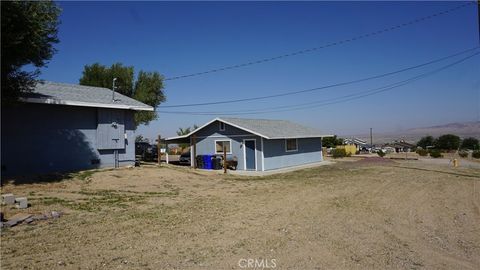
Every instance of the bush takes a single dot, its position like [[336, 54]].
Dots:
[[338, 153], [470, 143], [435, 153], [425, 141], [476, 154], [381, 153], [422, 152], [463, 154]]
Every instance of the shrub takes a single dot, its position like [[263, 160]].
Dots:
[[381, 153], [422, 152], [338, 153], [463, 154], [470, 143], [435, 153], [425, 141], [476, 154]]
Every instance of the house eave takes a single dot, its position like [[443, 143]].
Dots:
[[300, 137], [86, 104]]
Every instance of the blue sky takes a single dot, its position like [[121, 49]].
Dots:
[[177, 38]]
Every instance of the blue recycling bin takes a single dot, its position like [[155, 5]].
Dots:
[[207, 161]]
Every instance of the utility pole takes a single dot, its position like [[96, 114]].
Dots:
[[371, 140]]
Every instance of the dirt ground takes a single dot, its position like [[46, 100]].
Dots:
[[350, 215]]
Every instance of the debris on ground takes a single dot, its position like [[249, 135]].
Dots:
[[22, 202], [29, 218], [16, 219], [8, 198]]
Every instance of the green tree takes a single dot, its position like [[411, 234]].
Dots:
[[447, 142], [470, 143], [148, 88], [425, 141], [185, 131], [140, 138], [331, 141], [29, 30], [102, 76]]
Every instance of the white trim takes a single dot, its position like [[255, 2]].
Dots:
[[296, 143], [245, 153], [224, 140], [299, 137], [220, 126], [212, 136], [263, 155], [86, 104]]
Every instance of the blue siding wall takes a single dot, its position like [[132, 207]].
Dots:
[[208, 135], [309, 151], [39, 138]]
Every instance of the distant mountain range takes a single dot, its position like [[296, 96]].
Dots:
[[465, 129]]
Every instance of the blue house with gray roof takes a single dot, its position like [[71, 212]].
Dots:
[[257, 144], [64, 127]]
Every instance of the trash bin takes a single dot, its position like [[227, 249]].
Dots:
[[200, 163], [207, 161], [217, 163]]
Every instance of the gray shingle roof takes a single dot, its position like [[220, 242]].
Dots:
[[273, 129], [80, 95]]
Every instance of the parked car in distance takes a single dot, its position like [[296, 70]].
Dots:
[[185, 159]]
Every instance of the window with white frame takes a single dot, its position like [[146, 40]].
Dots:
[[221, 126], [220, 144], [291, 145]]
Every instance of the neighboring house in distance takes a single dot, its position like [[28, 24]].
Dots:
[[360, 144], [66, 127], [258, 144], [401, 146]]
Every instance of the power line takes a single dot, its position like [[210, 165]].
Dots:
[[309, 50], [321, 87], [331, 101]]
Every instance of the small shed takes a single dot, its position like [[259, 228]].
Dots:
[[257, 144], [65, 127]]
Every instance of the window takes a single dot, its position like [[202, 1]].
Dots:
[[291, 145], [221, 126], [219, 147]]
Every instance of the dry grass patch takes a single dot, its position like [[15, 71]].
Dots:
[[342, 216]]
